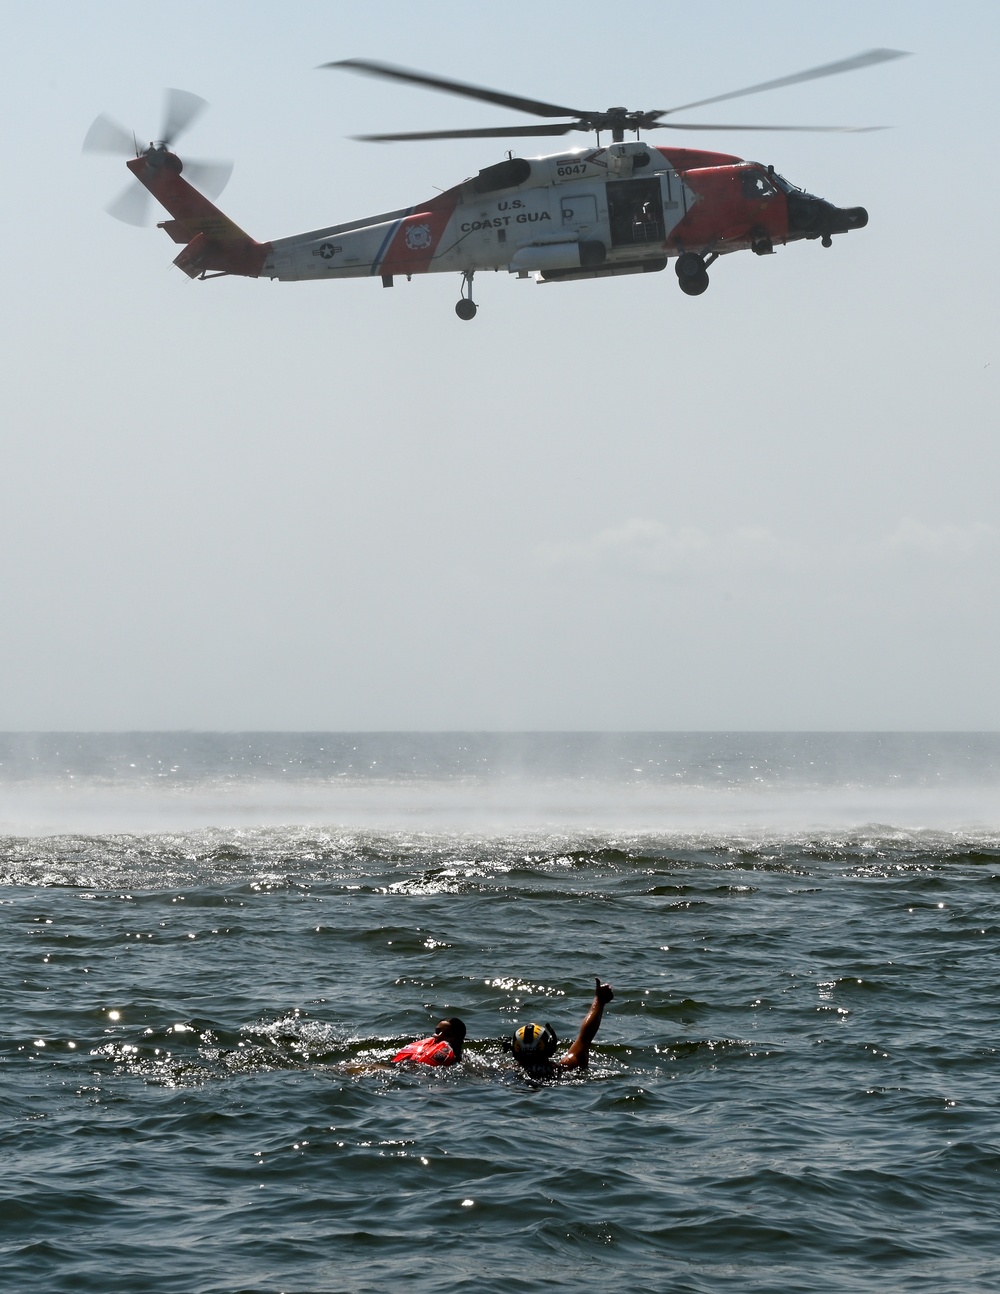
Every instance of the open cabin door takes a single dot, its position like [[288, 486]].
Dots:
[[635, 212]]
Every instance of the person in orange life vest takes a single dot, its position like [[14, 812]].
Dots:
[[534, 1045], [443, 1047]]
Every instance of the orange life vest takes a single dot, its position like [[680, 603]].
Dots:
[[427, 1051]]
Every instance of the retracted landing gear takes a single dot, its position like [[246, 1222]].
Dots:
[[466, 307], [692, 273]]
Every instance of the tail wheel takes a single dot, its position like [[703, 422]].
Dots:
[[466, 309]]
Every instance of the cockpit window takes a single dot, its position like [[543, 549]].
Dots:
[[783, 184], [789, 189], [757, 184]]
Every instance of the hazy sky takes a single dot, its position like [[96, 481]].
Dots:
[[246, 505]]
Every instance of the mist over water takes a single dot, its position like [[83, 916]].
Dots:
[[213, 944], [711, 783]]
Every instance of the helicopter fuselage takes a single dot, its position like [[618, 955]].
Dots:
[[592, 212], [626, 208]]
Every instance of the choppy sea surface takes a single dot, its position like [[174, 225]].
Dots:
[[211, 944]]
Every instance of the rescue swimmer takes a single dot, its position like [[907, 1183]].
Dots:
[[534, 1045]]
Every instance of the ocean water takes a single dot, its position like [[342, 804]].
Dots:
[[210, 944]]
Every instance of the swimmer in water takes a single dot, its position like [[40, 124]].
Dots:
[[534, 1045], [443, 1047]]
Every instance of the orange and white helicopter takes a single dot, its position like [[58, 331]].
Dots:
[[620, 208]]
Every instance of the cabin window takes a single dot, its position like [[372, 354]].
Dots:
[[578, 209]]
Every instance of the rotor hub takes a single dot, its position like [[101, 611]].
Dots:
[[159, 157]]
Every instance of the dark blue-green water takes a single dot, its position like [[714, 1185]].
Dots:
[[212, 943]]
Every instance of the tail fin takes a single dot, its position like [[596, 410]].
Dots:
[[213, 243]]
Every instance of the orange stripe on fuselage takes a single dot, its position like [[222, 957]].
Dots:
[[416, 240]]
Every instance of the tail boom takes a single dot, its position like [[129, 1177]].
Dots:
[[213, 244]]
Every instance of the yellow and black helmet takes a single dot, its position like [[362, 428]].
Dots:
[[534, 1042]]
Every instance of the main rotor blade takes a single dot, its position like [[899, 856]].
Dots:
[[210, 178], [536, 107], [106, 136], [697, 125], [131, 205], [482, 132], [866, 59], [179, 110]]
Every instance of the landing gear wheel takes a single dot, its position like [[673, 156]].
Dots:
[[694, 287], [691, 274], [688, 265], [466, 308]]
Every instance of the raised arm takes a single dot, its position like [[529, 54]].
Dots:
[[578, 1056]]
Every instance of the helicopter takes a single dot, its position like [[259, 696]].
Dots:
[[622, 207]]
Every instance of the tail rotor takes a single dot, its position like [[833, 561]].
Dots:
[[180, 110]]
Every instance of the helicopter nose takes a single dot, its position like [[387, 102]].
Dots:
[[838, 220], [811, 217]]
